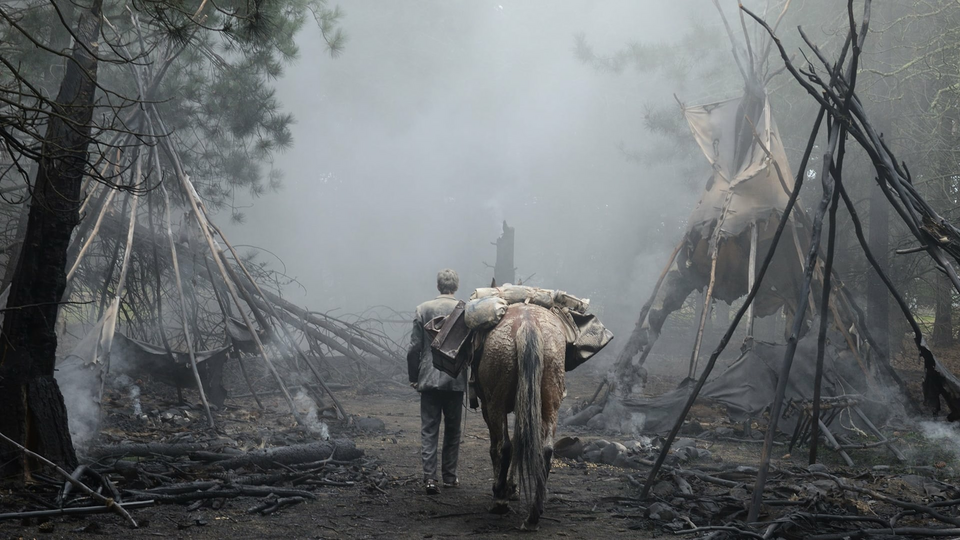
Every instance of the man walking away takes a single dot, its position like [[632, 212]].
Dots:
[[441, 396]]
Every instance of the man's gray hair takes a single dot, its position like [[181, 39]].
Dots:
[[447, 281]]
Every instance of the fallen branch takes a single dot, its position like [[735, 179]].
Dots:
[[217, 491], [269, 458], [146, 450], [109, 504], [80, 511], [271, 505]]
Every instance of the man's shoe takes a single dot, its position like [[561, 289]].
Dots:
[[431, 487], [453, 484]]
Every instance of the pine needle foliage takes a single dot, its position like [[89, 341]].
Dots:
[[209, 66]]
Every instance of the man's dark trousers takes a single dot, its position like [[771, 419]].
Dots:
[[435, 404]]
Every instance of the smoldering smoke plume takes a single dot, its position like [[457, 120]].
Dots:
[[135, 397], [80, 385], [310, 415], [945, 436]]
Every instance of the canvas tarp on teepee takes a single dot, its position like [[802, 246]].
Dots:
[[744, 190], [735, 217]]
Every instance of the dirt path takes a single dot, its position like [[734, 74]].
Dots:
[[575, 507]]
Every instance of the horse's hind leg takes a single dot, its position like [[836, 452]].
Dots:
[[536, 509], [501, 489], [500, 455]]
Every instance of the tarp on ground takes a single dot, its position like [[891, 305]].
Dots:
[[136, 359], [747, 387]]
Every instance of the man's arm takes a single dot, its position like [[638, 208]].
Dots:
[[416, 349]]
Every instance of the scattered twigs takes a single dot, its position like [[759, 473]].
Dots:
[[287, 455], [108, 503], [220, 491], [891, 500]]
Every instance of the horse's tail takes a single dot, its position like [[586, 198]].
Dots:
[[528, 429]]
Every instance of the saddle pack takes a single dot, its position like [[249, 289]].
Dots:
[[458, 338]]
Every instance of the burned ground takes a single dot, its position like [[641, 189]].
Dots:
[[384, 497], [578, 504]]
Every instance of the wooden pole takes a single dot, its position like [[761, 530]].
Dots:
[[798, 320], [93, 234], [824, 302], [107, 502], [705, 312], [316, 374], [110, 324], [836, 133], [183, 305], [752, 274], [225, 311], [343, 335]]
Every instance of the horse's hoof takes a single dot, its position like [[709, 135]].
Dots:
[[500, 508], [529, 527]]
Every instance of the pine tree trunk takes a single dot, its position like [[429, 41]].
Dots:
[[33, 410]]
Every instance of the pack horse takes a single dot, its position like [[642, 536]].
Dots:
[[522, 371], [530, 337]]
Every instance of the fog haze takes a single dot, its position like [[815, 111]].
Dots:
[[440, 120]]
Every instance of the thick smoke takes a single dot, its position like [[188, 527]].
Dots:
[[412, 148]]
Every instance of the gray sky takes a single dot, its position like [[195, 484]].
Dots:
[[444, 117]]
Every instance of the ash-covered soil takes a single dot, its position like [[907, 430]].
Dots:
[[580, 501], [586, 500]]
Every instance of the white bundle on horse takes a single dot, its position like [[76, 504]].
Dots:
[[484, 313], [548, 298]]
